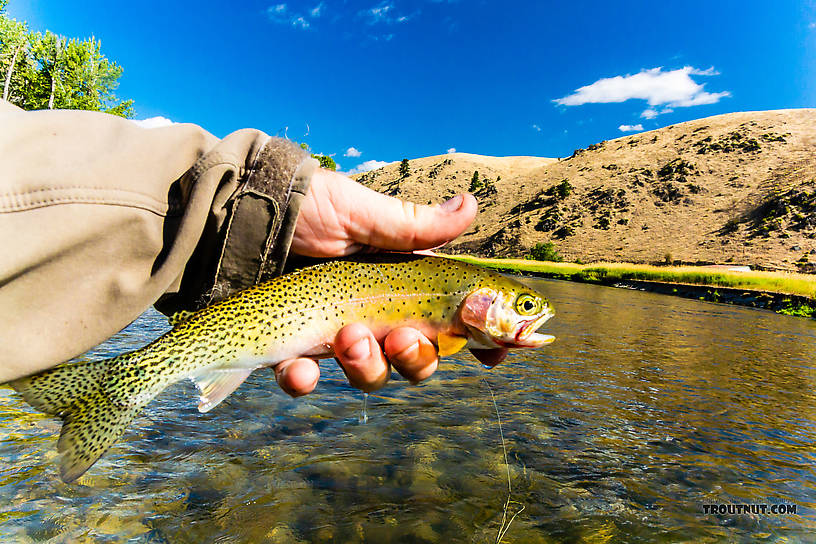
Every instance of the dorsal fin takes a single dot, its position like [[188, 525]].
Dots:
[[179, 317]]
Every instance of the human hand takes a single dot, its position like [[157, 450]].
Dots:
[[340, 217]]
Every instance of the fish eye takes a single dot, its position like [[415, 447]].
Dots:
[[526, 304]]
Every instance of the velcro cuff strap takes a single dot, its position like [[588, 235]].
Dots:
[[250, 230], [253, 250]]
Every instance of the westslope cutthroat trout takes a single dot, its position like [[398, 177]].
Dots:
[[457, 304]]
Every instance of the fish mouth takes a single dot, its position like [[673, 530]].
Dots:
[[526, 336]]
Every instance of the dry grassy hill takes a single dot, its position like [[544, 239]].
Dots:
[[738, 188]]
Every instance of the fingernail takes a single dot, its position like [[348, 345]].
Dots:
[[359, 350], [409, 354], [452, 204]]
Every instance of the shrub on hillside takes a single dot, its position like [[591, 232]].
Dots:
[[677, 169], [732, 225], [560, 190], [545, 252]]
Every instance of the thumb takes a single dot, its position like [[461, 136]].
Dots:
[[397, 225]]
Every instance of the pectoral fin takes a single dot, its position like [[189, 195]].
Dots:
[[216, 384], [449, 344]]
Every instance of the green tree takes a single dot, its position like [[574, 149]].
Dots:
[[50, 71], [326, 161], [475, 182], [48, 51], [545, 252], [404, 168], [14, 65]]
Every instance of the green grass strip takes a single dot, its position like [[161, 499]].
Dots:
[[789, 283]]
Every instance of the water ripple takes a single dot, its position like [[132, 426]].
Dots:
[[646, 408]]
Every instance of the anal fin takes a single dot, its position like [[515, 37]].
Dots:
[[449, 344], [216, 384]]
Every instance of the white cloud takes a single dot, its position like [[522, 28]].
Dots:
[[367, 166], [153, 122], [536, 128], [451, 150], [352, 152], [812, 25], [708, 72], [378, 13], [630, 128], [277, 13], [280, 13], [384, 12], [674, 89]]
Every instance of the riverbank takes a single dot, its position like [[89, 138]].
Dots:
[[782, 292]]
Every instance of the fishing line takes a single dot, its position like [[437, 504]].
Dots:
[[505, 523]]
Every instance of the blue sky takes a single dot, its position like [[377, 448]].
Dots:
[[397, 79]]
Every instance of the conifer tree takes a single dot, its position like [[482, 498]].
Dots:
[[475, 182], [404, 168]]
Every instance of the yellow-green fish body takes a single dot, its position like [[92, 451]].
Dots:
[[290, 316]]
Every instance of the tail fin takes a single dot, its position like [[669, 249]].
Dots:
[[92, 421]]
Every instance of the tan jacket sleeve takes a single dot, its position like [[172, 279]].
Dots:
[[100, 218]]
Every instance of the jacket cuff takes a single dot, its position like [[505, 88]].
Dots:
[[262, 217], [249, 233]]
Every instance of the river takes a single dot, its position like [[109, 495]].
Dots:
[[645, 411]]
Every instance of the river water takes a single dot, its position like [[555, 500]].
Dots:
[[644, 410]]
